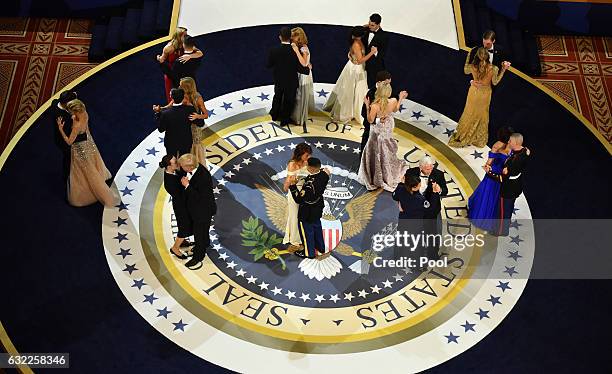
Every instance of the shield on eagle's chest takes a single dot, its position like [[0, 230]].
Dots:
[[332, 233]]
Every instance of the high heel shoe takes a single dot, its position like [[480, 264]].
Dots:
[[181, 257]]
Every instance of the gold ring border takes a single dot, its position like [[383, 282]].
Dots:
[[313, 339], [462, 46], [5, 340]]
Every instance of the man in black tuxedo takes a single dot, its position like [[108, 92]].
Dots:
[[511, 181], [186, 65], [375, 36], [201, 205], [432, 221], [59, 111], [175, 122], [496, 52], [286, 66]]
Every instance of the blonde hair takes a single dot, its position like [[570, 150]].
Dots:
[[177, 38], [300, 36], [188, 159], [189, 86], [75, 106], [481, 63], [381, 97]]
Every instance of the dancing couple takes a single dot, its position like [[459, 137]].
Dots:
[[487, 68], [305, 184], [191, 186], [380, 167], [365, 60], [180, 58], [491, 205], [292, 78]]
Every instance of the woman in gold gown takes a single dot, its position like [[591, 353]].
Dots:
[[86, 183], [474, 122]]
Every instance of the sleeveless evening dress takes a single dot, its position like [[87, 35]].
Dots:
[[380, 166], [304, 98], [345, 101], [292, 233]]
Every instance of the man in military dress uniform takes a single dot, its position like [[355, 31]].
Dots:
[[511, 181], [311, 201]]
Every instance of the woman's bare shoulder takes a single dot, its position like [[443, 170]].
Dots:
[[292, 166]]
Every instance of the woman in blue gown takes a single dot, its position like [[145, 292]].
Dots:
[[483, 205]]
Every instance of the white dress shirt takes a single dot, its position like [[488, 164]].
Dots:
[[370, 38], [191, 173], [424, 182]]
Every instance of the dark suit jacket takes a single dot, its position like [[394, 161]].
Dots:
[[380, 41], [435, 176], [498, 55], [175, 122], [199, 195], [286, 66]]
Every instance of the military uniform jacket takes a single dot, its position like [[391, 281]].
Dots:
[[310, 197], [512, 183]]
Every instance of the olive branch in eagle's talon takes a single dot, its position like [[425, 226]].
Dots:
[[254, 235]]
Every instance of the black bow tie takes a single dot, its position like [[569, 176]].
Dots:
[[491, 50], [424, 176]]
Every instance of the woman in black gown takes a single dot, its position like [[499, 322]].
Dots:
[[172, 184]]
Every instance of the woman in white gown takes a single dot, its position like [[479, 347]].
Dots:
[[304, 98], [345, 101], [380, 166], [296, 169]]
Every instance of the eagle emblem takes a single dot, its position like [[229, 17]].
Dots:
[[359, 211]]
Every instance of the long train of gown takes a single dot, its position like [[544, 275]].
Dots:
[[88, 174]]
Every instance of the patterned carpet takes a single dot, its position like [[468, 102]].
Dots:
[[38, 57], [579, 70]]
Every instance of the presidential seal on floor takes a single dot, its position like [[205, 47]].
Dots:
[[335, 312]]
